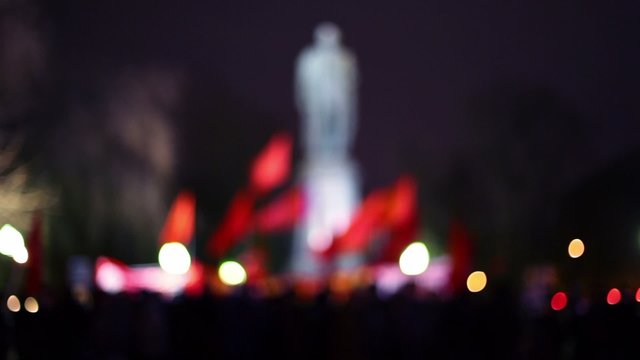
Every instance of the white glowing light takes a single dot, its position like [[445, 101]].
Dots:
[[21, 255], [31, 305], [319, 240], [13, 303], [414, 260], [232, 273], [11, 241], [174, 258]]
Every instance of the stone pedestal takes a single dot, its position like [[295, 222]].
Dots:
[[332, 192]]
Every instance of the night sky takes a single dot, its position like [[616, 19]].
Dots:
[[424, 65], [420, 62]]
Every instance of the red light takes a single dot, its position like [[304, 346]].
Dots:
[[638, 295], [559, 301], [614, 296]]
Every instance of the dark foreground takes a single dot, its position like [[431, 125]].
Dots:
[[488, 325]]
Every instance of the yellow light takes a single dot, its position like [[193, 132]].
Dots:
[[414, 260], [13, 303], [476, 281], [174, 258], [232, 273], [576, 248], [31, 305]]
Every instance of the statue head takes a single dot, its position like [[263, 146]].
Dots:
[[327, 34]]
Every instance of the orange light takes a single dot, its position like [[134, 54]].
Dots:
[[614, 296], [476, 281], [13, 303], [31, 305], [576, 248]]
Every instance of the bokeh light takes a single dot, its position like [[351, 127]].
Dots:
[[109, 277], [576, 248], [638, 295], [232, 273], [174, 258], [11, 240], [614, 296], [476, 281], [21, 255], [31, 305], [559, 301], [13, 303], [414, 260]]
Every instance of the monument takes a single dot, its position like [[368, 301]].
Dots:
[[326, 82]]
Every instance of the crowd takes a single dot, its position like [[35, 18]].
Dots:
[[410, 324]]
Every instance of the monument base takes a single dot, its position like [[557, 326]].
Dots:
[[332, 194]]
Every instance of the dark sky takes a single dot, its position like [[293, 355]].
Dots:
[[421, 62]]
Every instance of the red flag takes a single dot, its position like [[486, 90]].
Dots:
[[195, 284], [402, 218], [366, 221], [391, 210], [236, 223], [402, 206], [180, 223], [35, 265], [282, 213], [460, 251], [272, 166], [254, 261], [399, 238]]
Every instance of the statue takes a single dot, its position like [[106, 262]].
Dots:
[[325, 93], [325, 90]]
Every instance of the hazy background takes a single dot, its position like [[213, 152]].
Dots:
[[519, 119]]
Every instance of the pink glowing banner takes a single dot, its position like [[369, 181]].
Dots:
[[389, 278], [112, 276], [180, 223]]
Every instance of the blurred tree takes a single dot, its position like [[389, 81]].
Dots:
[[23, 65], [23, 58], [113, 161], [525, 151]]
